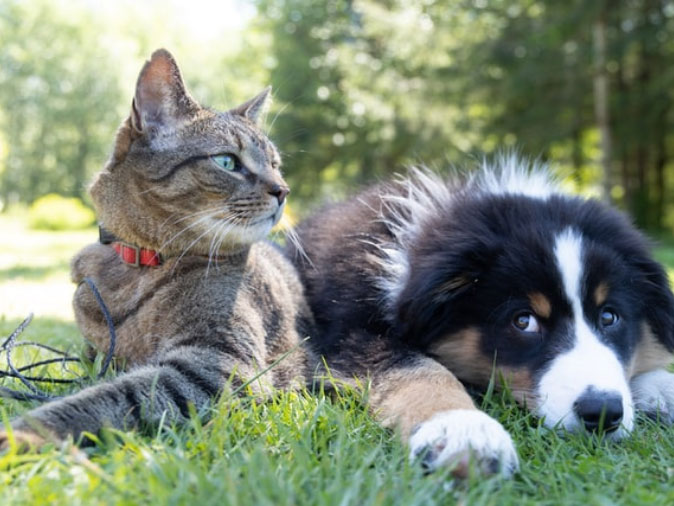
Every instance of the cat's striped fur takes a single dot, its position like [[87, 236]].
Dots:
[[223, 306]]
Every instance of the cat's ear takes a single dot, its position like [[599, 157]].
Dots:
[[161, 99], [253, 108]]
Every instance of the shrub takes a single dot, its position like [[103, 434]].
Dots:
[[54, 212]]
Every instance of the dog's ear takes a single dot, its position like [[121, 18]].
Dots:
[[436, 282], [658, 302]]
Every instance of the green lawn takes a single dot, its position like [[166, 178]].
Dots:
[[296, 448]]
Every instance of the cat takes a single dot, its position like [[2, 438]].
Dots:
[[190, 192]]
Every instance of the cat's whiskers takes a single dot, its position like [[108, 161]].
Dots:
[[188, 216], [188, 227], [208, 212], [294, 239], [288, 230], [279, 112], [146, 191], [230, 219], [221, 234], [183, 230], [195, 241], [210, 249], [216, 241]]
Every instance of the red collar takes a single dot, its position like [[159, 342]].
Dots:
[[130, 253], [136, 256]]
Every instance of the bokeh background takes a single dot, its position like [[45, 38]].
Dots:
[[362, 88]]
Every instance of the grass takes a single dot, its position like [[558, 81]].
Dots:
[[295, 448]]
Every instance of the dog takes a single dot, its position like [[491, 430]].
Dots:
[[423, 285]]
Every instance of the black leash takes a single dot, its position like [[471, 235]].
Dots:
[[34, 393]]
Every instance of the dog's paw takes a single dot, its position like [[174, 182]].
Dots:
[[653, 394], [458, 437], [23, 440]]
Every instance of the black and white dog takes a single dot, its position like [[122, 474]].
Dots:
[[422, 285]]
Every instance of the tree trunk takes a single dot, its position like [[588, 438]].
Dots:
[[601, 99], [660, 181], [624, 145], [663, 105]]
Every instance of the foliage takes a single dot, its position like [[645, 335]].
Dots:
[[540, 70], [54, 212], [58, 99], [362, 88], [371, 85]]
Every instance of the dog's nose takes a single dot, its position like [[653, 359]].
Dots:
[[599, 410]]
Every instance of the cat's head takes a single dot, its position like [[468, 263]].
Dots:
[[187, 179]]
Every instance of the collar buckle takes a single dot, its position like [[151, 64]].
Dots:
[[126, 247]]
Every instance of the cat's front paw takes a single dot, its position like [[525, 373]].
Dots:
[[23, 440], [653, 394], [460, 437]]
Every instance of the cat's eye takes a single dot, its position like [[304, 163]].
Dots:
[[525, 321], [608, 318], [225, 162]]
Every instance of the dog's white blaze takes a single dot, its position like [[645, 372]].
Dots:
[[590, 363]]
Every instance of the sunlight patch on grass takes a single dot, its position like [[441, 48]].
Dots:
[[34, 270], [50, 298]]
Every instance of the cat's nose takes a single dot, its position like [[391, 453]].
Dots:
[[279, 192]]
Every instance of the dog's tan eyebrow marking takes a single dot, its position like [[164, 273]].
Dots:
[[601, 293], [540, 304], [452, 285]]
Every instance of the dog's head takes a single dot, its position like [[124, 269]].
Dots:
[[559, 293]]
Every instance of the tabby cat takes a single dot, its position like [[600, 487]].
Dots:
[[191, 192]]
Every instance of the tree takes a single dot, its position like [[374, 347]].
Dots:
[[59, 95]]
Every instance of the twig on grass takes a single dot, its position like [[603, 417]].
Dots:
[[34, 393]]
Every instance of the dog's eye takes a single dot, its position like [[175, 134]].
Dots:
[[526, 322], [608, 318]]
